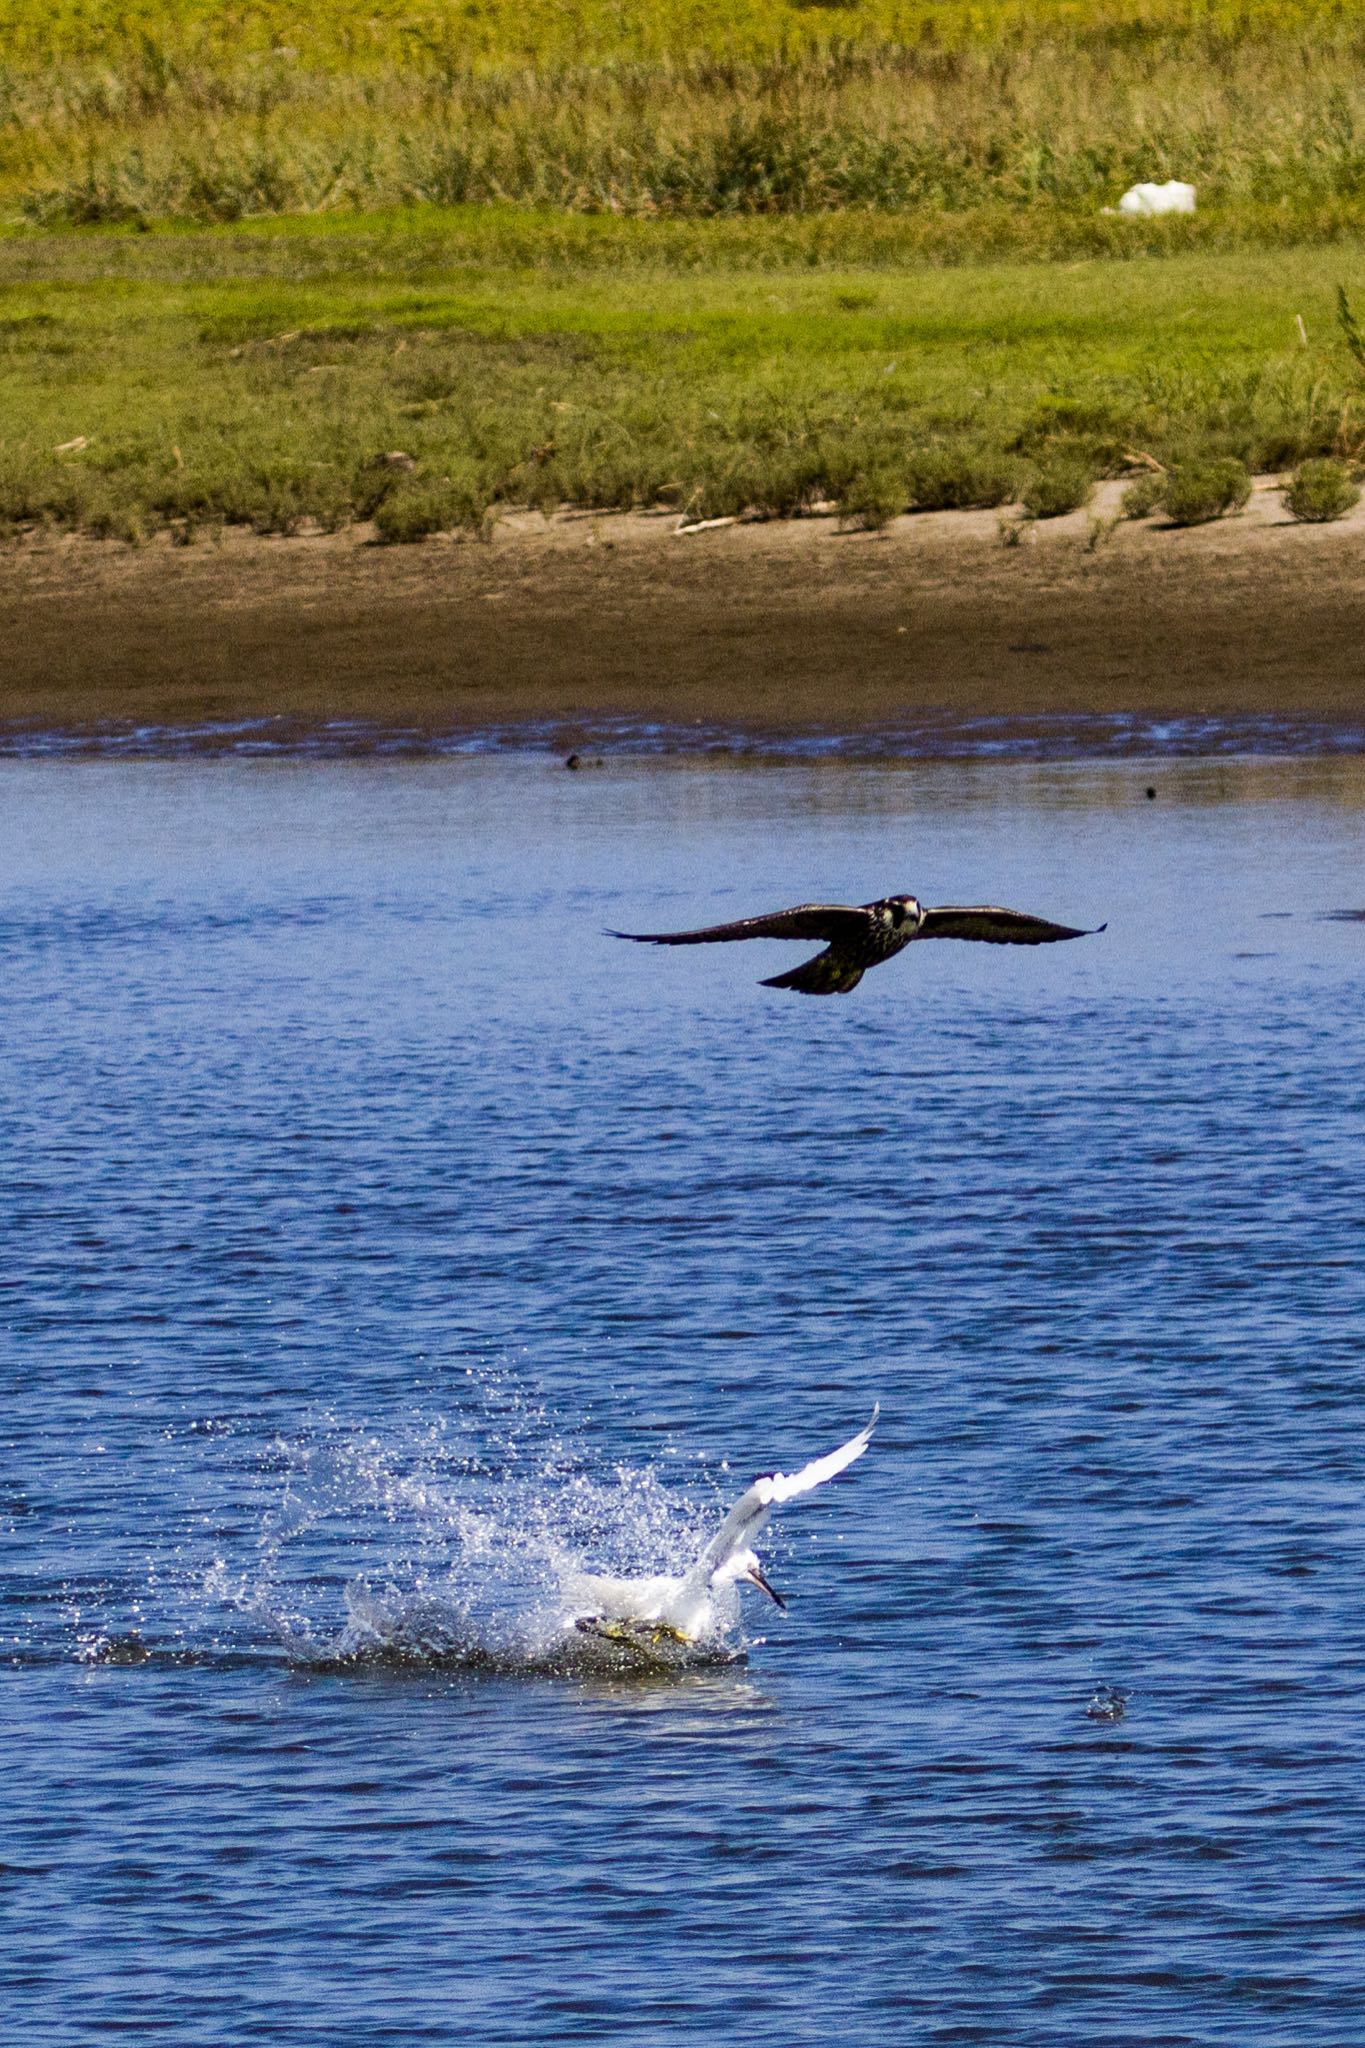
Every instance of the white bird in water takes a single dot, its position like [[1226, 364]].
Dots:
[[648, 1615]]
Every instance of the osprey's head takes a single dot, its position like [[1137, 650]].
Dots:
[[904, 910]]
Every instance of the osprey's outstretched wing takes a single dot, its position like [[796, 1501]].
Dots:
[[828, 921], [753, 1508], [997, 927]]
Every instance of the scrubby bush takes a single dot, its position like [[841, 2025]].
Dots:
[[424, 506], [1199, 491], [1321, 490], [950, 480], [1094, 430], [35, 490], [1144, 495], [872, 499], [1058, 487], [109, 515], [413, 513]]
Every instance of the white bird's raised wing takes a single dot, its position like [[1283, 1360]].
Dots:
[[753, 1508], [779, 1486]]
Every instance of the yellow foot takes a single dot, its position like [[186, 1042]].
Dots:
[[634, 1635]]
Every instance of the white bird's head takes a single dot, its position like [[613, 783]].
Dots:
[[744, 1565]]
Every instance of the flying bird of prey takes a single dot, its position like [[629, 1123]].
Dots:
[[859, 936]]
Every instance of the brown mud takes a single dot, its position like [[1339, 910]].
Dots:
[[775, 629]]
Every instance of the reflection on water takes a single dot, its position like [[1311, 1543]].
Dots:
[[929, 737], [379, 1234]]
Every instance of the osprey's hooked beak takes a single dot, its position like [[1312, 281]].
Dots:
[[755, 1577]]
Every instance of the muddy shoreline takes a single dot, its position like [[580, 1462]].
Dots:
[[572, 628]]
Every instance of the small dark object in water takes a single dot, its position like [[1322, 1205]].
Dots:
[[1151, 794], [1108, 1703], [125, 1649], [572, 761], [1343, 916]]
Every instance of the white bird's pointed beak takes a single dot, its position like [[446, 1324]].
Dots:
[[756, 1578]]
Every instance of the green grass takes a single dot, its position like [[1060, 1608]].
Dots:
[[254, 375], [700, 253]]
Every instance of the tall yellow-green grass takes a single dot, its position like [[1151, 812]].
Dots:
[[347, 34], [1002, 122]]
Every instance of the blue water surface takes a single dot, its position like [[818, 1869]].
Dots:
[[378, 1232]]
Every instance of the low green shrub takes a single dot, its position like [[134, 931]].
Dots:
[[951, 480], [414, 512], [1321, 490], [1060, 429], [1144, 495], [1058, 487], [416, 509], [871, 500], [109, 515], [1199, 491], [274, 492]]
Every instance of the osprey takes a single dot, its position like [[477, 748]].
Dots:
[[859, 936]]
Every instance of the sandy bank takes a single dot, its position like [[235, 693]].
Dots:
[[776, 628]]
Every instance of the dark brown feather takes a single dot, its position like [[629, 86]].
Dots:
[[827, 921], [830, 973], [995, 927]]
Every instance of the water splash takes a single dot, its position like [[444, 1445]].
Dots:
[[455, 1544]]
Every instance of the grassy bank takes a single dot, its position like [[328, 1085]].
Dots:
[[690, 253], [1002, 129], [254, 376]]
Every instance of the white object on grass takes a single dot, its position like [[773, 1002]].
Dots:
[[1172, 197], [701, 1603]]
